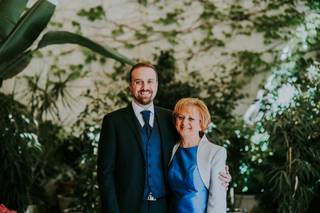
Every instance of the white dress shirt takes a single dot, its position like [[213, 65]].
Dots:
[[138, 109]]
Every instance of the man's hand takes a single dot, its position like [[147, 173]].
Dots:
[[225, 177]]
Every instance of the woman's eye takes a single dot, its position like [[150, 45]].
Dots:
[[191, 119]]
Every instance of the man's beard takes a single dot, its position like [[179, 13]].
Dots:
[[143, 99]]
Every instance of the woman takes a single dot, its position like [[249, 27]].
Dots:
[[195, 162]]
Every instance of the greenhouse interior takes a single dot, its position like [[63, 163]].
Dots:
[[68, 69]]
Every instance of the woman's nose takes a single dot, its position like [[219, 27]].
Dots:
[[184, 121]]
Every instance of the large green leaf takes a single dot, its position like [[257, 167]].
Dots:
[[63, 37], [10, 11], [14, 66], [27, 30]]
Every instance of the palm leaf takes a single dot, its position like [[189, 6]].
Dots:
[[10, 11], [64, 37], [27, 29]]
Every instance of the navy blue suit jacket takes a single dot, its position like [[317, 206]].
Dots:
[[121, 163]]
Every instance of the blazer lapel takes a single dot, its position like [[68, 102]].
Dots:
[[163, 129], [174, 150], [134, 125]]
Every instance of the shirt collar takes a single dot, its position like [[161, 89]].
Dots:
[[138, 109]]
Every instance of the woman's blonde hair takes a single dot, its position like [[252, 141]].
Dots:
[[205, 117]]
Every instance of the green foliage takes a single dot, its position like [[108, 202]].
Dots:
[[220, 92], [44, 99], [87, 187], [52, 165], [144, 2], [18, 36], [210, 12], [13, 55], [171, 90], [295, 135], [140, 35], [56, 24], [244, 158], [266, 24], [10, 11], [92, 14], [19, 150], [118, 31], [289, 112], [294, 171], [22, 36], [237, 13], [272, 19], [74, 152], [251, 63], [170, 18], [63, 37]]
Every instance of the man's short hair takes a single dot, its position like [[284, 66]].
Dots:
[[142, 64]]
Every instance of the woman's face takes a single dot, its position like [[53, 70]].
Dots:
[[188, 122]]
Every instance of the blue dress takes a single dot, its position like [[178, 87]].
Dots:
[[189, 192]]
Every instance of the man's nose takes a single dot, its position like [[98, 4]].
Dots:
[[145, 85]]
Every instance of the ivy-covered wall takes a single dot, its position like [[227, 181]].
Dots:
[[230, 38]]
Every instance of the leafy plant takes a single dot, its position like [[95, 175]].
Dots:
[[19, 33], [19, 151], [288, 112], [274, 20], [243, 157]]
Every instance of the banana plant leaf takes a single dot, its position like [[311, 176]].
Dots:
[[27, 30], [64, 37], [13, 55], [10, 12], [16, 65], [12, 67]]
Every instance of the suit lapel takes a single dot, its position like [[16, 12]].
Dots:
[[163, 130], [174, 150], [134, 127]]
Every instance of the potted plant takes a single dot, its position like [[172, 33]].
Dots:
[[19, 150]]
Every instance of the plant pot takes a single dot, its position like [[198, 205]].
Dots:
[[32, 209], [246, 202], [65, 202], [237, 211]]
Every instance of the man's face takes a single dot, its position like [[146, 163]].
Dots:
[[143, 85]]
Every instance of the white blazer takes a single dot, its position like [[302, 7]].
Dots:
[[211, 159]]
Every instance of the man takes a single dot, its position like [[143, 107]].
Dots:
[[134, 150]]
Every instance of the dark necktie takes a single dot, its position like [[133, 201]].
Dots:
[[146, 118]]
